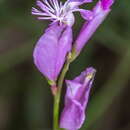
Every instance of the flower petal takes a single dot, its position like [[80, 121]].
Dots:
[[75, 3], [72, 89], [86, 14], [51, 49], [72, 116], [65, 45], [76, 100], [81, 1], [107, 3], [88, 29]]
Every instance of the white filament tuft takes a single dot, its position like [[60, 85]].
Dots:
[[55, 11]]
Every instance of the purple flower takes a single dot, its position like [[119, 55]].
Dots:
[[51, 50], [100, 11], [76, 100], [56, 11]]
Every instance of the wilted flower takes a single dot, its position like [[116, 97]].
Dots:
[[100, 11], [76, 100]]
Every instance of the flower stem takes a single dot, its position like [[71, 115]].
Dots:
[[58, 95], [55, 113]]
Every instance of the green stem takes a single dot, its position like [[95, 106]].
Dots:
[[55, 113], [58, 95]]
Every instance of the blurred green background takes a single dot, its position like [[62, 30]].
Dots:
[[25, 98]]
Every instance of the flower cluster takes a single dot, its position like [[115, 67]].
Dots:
[[57, 44]]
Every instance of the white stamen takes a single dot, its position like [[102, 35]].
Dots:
[[55, 11], [46, 18], [41, 14], [52, 10]]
